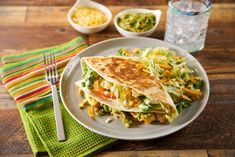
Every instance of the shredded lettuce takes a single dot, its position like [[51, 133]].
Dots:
[[154, 69], [150, 52], [182, 105], [89, 76], [145, 52], [147, 106], [173, 72]]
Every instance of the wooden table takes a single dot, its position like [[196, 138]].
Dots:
[[32, 24]]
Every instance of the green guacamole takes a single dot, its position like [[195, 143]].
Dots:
[[136, 22]]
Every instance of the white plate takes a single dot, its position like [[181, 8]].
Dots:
[[116, 129]]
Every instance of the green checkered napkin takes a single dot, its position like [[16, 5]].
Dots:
[[23, 76]]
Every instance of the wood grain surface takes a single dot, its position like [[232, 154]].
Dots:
[[32, 24], [105, 2]]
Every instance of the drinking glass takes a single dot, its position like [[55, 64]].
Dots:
[[187, 22]]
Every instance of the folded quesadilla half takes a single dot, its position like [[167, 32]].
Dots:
[[123, 87]]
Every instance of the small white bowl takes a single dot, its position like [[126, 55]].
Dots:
[[89, 29], [123, 32]]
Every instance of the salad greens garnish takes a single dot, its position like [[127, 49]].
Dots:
[[147, 106], [89, 76], [182, 105], [198, 84]]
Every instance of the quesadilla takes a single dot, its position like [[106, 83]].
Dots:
[[124, 87]]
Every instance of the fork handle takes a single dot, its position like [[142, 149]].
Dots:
[[57, 112]]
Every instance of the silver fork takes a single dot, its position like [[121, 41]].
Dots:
[[52, 78]]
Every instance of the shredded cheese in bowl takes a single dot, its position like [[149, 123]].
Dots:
[[88, 16]]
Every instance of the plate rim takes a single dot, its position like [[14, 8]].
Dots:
[[203, 105]]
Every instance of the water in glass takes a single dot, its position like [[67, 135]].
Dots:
[[187, 22]]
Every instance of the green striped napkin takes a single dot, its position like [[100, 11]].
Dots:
[[23, 76]]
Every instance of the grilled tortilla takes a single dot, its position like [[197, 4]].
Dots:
[[129, 73]]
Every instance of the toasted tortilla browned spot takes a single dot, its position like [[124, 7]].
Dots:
[[128, 72]]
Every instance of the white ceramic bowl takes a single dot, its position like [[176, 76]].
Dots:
[[89, 29], [123, 32]]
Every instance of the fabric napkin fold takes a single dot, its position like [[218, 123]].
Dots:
[[24, 78]]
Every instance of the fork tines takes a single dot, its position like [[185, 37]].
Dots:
[[50, 66]]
